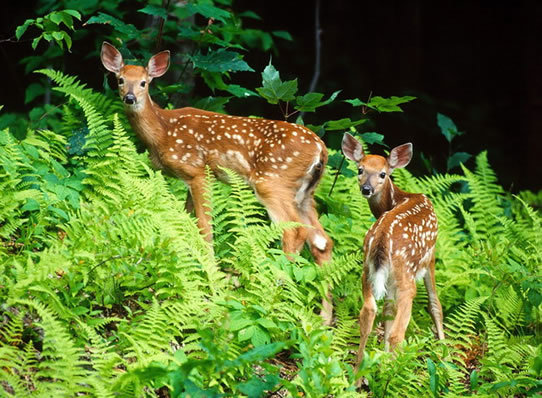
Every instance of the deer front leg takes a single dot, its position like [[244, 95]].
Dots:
[[198, 189]]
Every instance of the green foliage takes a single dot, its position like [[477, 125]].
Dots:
[[50, 25], [382, 104], [274, 90], [108, 289]]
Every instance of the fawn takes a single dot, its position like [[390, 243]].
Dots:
[[281, 161], [399, 247]]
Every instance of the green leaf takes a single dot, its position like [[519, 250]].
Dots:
[[260, 337], [30, 205], [67, 19], [309, 102], [282, 34], [373, 138], [22, 28], [256, 387], [221, 61], [474, 380], [59, 212], [447, 127], [267, 323], [261, 353], [355, 102], [240, 92], [246, 334], [35, 42], [58, 35], [73, 13], [274, 90], [342, 124], [433, 377], [32, 91], [208, 11], [382, 104], [68, 40], [128, 29], [391, 104], [457, 158], [154, 11], [55, 17], [239, 324]]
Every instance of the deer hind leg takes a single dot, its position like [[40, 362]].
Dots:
[[389, 315], [198, 189], [319, 242], [189, 204], [366, 319], [405, 295], [434, 308], [320, 246], [280, 206]]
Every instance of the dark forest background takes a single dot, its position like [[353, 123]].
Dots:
[[478, 62]]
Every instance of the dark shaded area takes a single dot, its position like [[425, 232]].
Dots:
[[478, 62]]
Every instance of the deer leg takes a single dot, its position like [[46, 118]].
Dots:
[[366, 320], [434, 308], [280, 206], [198, 189], [189, 204], [319, 242], [389, 315], [405, 296], [320, 245]]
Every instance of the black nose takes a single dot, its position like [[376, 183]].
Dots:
[[366, 190], [130, 99]]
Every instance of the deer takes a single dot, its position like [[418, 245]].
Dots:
[[399, 248], [282, 162]]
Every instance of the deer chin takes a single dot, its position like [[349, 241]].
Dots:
[[135, 107]]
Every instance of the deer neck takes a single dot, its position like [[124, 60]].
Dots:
[[148, 124], [386, 199]]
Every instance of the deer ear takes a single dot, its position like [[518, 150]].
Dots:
[[400, 156], [352, 148], [158, 64], [111, 58]]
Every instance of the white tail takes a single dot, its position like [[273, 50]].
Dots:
[[282, 162], [399, 248]]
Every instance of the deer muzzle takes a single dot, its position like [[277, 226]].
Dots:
[[367, 190], [129, 99]]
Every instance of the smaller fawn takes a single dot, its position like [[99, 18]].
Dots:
[[399, 247]]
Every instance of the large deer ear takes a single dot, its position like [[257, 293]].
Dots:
[[111, 58], [400, 156], [352, 148], [158, 64]]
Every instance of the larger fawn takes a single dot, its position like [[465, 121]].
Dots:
[[399, 247], [282, 162]]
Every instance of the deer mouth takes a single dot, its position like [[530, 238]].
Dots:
[[130, 99]]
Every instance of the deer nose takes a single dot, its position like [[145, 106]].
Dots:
[[129, 99], [366, 190]]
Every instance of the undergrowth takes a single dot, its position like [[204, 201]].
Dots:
[[107, 288]]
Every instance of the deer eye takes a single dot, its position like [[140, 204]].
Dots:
[[121, 81], [142, 84], [383, 175], [360, 171]]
